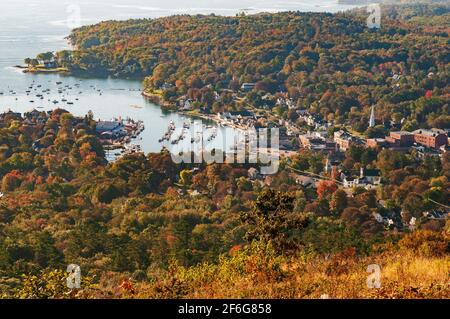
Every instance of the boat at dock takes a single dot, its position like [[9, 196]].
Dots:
[[213, 135], [131, 149], [170, 129]]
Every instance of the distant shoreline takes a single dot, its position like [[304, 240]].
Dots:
[[158, 100], [38, 69]]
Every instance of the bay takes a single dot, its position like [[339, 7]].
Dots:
[[29, 27]]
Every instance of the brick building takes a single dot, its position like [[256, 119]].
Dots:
[[343, 140], [376, 142], [400, 138], [433, 138], [316, 143]]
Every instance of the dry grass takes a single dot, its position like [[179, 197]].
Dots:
[[262, 275]]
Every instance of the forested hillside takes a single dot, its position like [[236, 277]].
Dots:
[[332, 65]]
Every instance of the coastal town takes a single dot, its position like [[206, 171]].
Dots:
[[302, 131], [311, 132], [295, 149], [117, 136]]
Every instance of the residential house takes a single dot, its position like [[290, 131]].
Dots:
[[302, 113], [367, 178], [166, 86], [436, 214], [50, 64], [186, 104], [331, 164], [248, 86], [286, 102], [305, 181], [349, 180], [313, 120]]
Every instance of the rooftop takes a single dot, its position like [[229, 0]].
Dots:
[[403, 133], [430, 132], [371, 172], [241, 113], [107, 125]]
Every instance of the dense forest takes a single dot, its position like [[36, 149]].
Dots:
[[145, 227], [330, 64]]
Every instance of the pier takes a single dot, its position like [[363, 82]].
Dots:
[[117, 136]]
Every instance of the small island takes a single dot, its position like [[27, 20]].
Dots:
[[46, 63]]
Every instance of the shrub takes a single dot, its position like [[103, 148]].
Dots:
[[425, 242]]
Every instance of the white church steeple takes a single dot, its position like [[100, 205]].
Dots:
[[372, 117]]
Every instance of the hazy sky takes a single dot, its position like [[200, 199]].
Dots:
[[186, 6], [164, 4], [55, 12]]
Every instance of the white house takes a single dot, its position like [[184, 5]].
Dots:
[[350, 182], [305, 181], [367, 178], [187, 105], [248, 86]]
